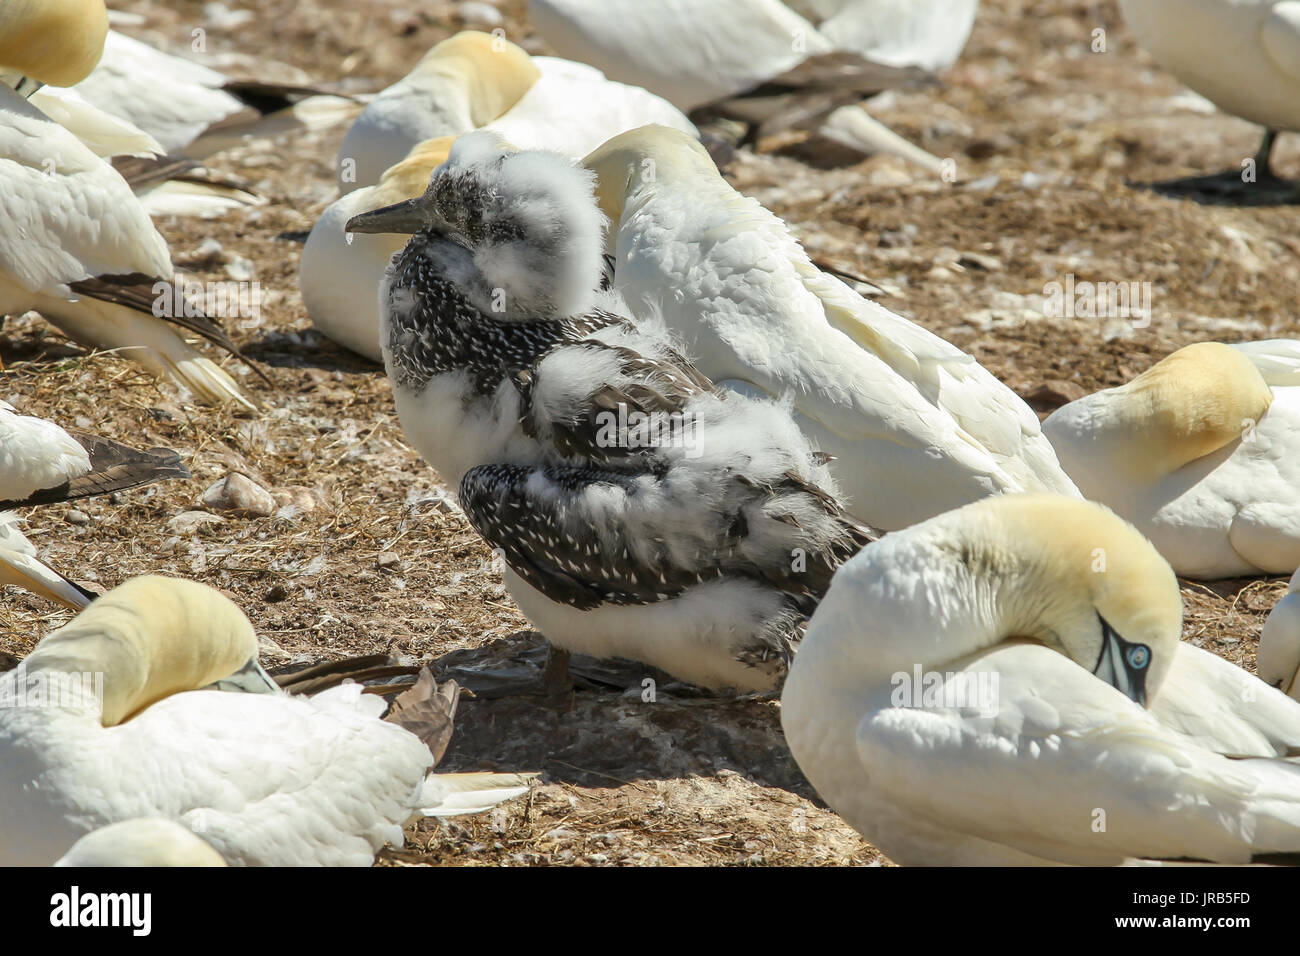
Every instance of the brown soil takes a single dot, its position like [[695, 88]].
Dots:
[[1044, 133]]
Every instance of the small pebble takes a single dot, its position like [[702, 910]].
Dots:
[[76, 516]]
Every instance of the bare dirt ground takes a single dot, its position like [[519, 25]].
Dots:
[[1044, 134]]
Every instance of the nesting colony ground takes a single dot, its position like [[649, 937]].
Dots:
[[368, 553]]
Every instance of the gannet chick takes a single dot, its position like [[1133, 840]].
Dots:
[[340, 272], [988, 688], [699, 549], [916, 426], [197, 111], [1278, 659], [1244, 56], [1201, 452], [265, 778], [41, 463], [149, 841], [473, 80], [78, 247]]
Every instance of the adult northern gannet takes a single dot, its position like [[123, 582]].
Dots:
[[1278, 659], [1244, 56], [472, 79], [641, 512], [197, 111], [916, 426], [41, 463], [1004, 684], [1201, 452], [264, 778], [340, 273], [78, 247], [147, 841], [698, 52], [75, 243]]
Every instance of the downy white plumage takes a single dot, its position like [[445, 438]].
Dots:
[[916, 426], [1244, 55], [264, 778], [471, 79], [1201, 452], [340, 273], [1004, 684], [77, 245], [42, 463], [700, 551]]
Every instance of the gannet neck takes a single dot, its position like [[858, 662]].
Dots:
[[54, 41], [1190, 404], [640, 158], [409, 178], [987, 573], [492, 72], [150, 638], [146, 841]]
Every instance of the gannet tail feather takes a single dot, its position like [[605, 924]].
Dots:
[[455, 794]]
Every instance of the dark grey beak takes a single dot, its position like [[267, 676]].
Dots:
[[249, 679], [1123, 665], [404, 218]]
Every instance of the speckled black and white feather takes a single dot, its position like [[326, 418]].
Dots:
[[701, 554]]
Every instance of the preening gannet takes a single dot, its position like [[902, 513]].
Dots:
[[340, 273], [472, 79], [50, 41], [263, 778], [1244, 56], [41, 463], [641, 512], [698, 52], [1201, 452], [1004, 684], [1278, 659], [148, 841], [78, 247], [197, 111], [916, 426]]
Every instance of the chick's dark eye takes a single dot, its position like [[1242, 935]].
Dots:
[[1139, 655]]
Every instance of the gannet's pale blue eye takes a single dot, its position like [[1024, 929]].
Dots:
[[1139, 655]]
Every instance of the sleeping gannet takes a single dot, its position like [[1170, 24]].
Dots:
[[470, 80], [147, 841], [340, 272], [1004, 685], [1201, 452], [700, 52], [128, 727], [75, 243], [1278, 659], [1242, 55], [197, 111], [41, 463], [915, 425], [640, 512]]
